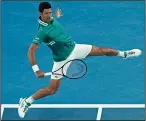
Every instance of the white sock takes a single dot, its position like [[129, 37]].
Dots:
[[30, 100], [121, 53]]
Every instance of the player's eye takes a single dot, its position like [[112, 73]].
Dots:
[[47, 13]]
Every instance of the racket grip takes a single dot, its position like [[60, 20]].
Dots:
[[48, 73]]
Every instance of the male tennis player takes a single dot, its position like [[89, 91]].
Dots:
[[63, 48]]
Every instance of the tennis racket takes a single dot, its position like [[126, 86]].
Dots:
[[73, 69]]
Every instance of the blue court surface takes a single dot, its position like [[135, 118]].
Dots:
[[113, 88]]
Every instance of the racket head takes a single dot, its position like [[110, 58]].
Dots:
[[74, 69]]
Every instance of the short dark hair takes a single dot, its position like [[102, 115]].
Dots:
[[44, 5]]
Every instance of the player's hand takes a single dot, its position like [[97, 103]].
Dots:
[[39, 74], [58, 13]]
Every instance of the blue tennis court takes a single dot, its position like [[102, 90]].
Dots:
[[112, 89]]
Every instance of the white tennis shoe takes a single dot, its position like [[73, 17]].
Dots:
[[23, 107], [132, 53]]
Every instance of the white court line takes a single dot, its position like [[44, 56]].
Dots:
[[100, 106], [54, 105], [2, 110], [123, 106], [78, 105], [99, 114]]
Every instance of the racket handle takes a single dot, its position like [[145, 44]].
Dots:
[[48, 73]]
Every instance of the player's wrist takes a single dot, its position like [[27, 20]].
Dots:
[[35, 68]]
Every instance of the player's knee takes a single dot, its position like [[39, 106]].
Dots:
[[53, 87], [54, 92], [51, 91], [104, 51]]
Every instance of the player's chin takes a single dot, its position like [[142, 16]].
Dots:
[[46, 20]]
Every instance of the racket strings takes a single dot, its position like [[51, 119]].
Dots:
[[74, 69]]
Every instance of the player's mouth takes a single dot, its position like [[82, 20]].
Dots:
[[48, 18]]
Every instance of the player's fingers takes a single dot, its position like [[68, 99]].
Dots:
[[61, 13], [58, 9], [40, 75]]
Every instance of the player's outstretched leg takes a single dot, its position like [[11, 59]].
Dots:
[[97, 51], [24, 103]]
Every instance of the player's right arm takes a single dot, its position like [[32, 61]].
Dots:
[[31, 54]]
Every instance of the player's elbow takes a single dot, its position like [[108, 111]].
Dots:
[[30, 52]]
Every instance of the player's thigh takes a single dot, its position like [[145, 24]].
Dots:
[[81, 51], [54, 84], [96, 51]]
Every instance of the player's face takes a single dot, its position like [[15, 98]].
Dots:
[[46, 15]]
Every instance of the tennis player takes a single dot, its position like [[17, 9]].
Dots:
[[63, 48]]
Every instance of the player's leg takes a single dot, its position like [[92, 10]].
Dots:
[[99, 51], [26, 102], [50, 90], [82, 51], [41, 93]]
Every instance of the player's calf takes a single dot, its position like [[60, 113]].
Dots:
[[44, 92], [52, 89]]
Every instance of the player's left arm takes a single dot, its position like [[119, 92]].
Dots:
[[58, 13]]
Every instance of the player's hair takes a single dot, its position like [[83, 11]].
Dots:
[[44, 5]]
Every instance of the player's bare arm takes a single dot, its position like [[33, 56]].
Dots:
[[31, 55]]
